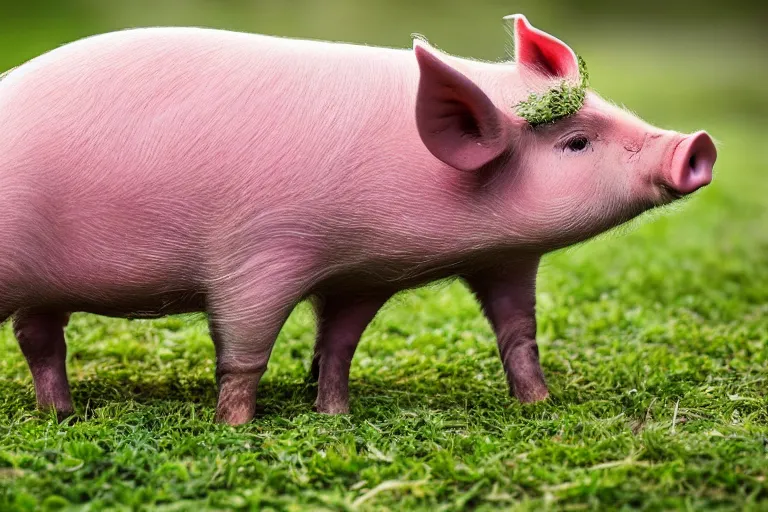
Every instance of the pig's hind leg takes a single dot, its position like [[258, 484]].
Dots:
[[244, 327], [247, 306], [41, 337], [508, 297], [341, 322]]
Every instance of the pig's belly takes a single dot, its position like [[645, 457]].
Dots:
[[145, 307]]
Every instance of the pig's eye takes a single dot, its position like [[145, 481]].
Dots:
[[576, 144]]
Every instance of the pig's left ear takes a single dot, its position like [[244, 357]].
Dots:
[[540, 51], [457, 122]]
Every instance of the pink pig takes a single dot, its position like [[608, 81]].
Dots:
[[158, 171]]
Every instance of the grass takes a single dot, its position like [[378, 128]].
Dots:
[[655, 345]]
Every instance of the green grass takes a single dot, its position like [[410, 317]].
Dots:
[[654, 343]]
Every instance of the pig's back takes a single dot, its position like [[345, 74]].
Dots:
[[134, 152], [144, 99]]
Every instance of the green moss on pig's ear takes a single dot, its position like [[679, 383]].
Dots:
[[557, 103]]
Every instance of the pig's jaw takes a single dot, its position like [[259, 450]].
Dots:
[[569, 216]]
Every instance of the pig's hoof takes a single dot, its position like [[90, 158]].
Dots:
[[531, 392], [234, 417], [331, 408], [62, 412], [235, 411], [237, 398], [62, 415], [529, 398]]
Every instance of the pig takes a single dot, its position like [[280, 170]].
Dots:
[[158, 171]]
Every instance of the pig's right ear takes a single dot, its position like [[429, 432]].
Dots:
[[457, 122], [540, 51]]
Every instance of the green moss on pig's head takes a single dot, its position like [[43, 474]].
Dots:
[[557, 103], [527, 45]]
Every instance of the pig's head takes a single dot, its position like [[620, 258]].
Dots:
[[560, 163]]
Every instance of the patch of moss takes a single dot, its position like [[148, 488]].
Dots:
[[562, 101]]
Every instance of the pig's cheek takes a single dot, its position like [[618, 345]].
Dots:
[[640, 180], [558, 183], [574, 179], [567, 194]]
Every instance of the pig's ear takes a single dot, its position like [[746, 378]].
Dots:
[[540, 51], [457, 122]]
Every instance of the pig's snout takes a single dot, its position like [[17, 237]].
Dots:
[[692, 163]]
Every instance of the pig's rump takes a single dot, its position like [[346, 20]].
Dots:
[[120, 163]]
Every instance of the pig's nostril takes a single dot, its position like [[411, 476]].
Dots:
[[692, 164]]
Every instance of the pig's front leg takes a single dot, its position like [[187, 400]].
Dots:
[[41, 337], [341, 322], [508, 297]]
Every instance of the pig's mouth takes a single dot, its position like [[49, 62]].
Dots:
[[669, 194]]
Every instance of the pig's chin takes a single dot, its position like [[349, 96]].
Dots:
[[620, 222], [667, 195], [586, 229]]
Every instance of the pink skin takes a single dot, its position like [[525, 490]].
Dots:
[[159, 171]]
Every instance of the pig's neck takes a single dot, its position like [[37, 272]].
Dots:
[[386, 205]]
